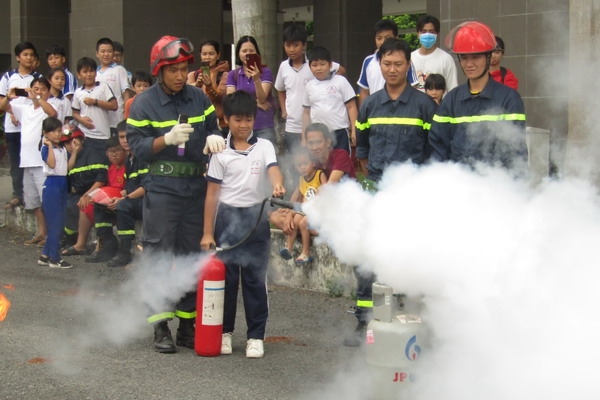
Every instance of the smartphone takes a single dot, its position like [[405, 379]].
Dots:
[[254, 59], [205, 68], [21, 92]]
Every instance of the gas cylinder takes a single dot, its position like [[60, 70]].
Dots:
[[209, 307], [394, 342]]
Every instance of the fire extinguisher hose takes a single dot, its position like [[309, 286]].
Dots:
[[274, 202]]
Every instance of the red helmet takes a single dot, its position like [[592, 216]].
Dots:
[[471, 37], [170, 50], [71, 132]]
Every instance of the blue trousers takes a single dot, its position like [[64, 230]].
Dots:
[[249, 262], [54, 203]]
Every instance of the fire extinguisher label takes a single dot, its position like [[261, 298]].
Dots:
[[213, 300]]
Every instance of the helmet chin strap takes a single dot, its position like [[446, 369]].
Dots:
[[488, 57], [164, 87]]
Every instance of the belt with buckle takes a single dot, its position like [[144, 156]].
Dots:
[[177, 169]]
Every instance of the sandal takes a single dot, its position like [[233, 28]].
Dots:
[[13, 203], [285, 253], [72, 251], [303, 259], [35, 240]]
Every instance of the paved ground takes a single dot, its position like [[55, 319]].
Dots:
[[69, 334]]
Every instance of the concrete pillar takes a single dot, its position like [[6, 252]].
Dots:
[[258, 18], [345, 27], [583, 139]]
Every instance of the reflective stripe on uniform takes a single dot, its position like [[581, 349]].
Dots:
[[136, 174], [88, 168], [70, 231], [185, 315], [393, 121], [364, 303], [160, 317], [478, 118], [128, 232], [169, 123], [103, 225]]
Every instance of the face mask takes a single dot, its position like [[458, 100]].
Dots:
[[427, 40]]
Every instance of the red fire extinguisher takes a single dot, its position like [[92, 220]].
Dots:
[[209, 308]]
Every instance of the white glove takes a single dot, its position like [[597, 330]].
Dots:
[[178, 135], [214, 144]]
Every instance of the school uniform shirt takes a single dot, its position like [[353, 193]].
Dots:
[[99, 116], [486, 127], [327, 101], [63, 107], [31, 133], [393, 131], [115, 76], [371, 79], [438, 62], [61, 161], [12, 79], [243, 174], [70, 83], [293, 81]]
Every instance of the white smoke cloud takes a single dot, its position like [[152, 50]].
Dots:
[[508, 274]]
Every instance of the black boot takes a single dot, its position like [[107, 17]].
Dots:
[[108, 248], [163, 341], [123, 256], [186, 333], [358, 337]]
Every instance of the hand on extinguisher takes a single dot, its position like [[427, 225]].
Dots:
[[207, 242]]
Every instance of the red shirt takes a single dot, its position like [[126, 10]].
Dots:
[[116, 177], [339, 160], [510, 79]]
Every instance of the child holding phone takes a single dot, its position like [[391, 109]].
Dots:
[[258, 81]]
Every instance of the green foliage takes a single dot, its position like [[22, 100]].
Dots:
[[334, 288], [404, 22]]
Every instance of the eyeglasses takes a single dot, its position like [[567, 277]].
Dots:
[[172, 50], [115, 151]]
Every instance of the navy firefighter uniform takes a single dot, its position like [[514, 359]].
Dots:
[[485, 127], [388, 132], [175, 187], [393, 131]]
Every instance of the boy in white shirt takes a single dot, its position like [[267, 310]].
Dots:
[[330, 100], [115, 76], [91, 104], [237, 182]]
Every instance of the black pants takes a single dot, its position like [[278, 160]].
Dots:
[[172, 225], [13, 145], [364, 294], [249, 262]]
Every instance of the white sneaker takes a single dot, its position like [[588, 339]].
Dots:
[[254, 348], [226, 343]]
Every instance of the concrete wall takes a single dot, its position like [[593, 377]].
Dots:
[[345, 27]]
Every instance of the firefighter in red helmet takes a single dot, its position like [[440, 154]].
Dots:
[[481, 120], [172, 126]]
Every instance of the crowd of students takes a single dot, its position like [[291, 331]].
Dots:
[[154, 165]]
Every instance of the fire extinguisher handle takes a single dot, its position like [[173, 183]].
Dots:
[[286, 204]]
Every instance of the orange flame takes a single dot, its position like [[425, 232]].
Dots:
[[4, 306]]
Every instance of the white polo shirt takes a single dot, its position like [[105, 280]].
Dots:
[[115, 76], [293, 81], [243, 174], [63, 107], [98, 115]]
